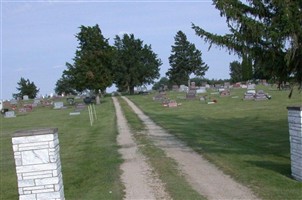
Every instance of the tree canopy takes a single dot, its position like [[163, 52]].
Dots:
[[26, 87], [92, 67], [184, 60], [269, 32], [135, 64]]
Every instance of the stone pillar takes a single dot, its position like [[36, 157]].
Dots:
[[295, 137], [38, 164]]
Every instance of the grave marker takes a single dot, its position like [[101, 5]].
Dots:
[[58, 105], [25, 97], [9, 114]]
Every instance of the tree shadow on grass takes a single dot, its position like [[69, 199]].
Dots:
[[250, 139]]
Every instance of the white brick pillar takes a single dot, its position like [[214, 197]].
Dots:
[[295, 138], [38, 164]]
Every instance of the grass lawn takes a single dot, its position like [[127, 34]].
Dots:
[[247, 139], [89, 156]]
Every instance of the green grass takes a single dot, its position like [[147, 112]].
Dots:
[[89, 156], [166, 168], [248, 140]]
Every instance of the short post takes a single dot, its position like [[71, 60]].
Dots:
[[295, 138], [38, 164]]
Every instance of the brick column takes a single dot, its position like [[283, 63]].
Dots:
[[295, 137], [38, 164]]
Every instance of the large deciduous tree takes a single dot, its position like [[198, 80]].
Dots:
[[184, 60], [135, 64], [92, 67], [268, 31], [26, 87]]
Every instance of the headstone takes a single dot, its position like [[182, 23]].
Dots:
[[225, 93], [1, 105], [260, 95], [58, 105], [13, 102], [79, 107], [25, 97], [192, 86], [183, 88], [191, 94], [9, 114], [159, 97], [37, 101], [201, 90], [251, 86], [175, 88], [295, 138], [227, 85], [172, 104], [70, 101], [38, 165]]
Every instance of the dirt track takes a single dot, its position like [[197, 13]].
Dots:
[[203, 176]]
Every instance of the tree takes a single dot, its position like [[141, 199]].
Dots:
[[92, 68], [26, 88], [64, 86], [236, 71], [184, 60], [163, 81], [135, 64], [270, 32]]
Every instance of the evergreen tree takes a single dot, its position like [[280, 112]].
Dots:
[[236, 71], [268, 31], [184, 60], [26, 88], [135, 64], [92, 68]]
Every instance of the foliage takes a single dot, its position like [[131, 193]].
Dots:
[[184, 60], [269, 32], [92, 68], [135, 64], [235, 71], [63, 86], [26, 88], [163, 81]]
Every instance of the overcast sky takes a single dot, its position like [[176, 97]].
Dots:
[[38, 37]]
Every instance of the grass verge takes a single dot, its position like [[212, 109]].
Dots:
[[89, 154], [165, 167]]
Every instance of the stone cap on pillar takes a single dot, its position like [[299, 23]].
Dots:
[[41, 131], [298, 108]]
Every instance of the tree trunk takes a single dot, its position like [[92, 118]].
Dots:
[[131, 90]]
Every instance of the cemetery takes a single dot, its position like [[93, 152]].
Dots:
[[261, 132]]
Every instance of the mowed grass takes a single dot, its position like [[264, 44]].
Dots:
[[89, 154], [166, 168], [248, 140]]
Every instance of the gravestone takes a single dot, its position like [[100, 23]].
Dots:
[[159, 97], [79, 107], [191, 94], [201, 90], [227, 85], [25, 97], [58, 105], [175, 88], [38, 164], [192, 86], [251, 86], [225, 93], [9, 114], [13, 102], [183, 88], [172, 104], [1, 105], [295, 138], [260, 95]]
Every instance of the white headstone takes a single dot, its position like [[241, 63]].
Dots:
[[1, 105], [58, 105], [9, 114], [25, 97], [201, 90]]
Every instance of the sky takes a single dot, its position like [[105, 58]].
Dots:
[[38, 37]]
